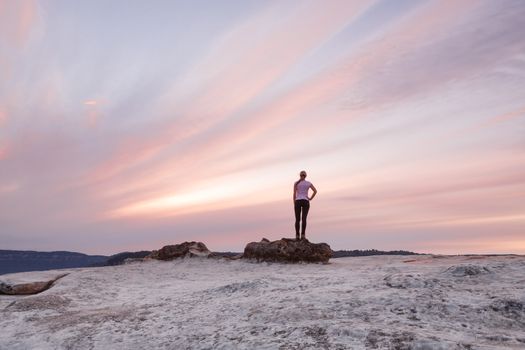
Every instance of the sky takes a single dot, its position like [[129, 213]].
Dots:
[[129, 125]]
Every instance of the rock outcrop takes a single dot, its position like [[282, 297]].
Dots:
[[28, 288], [288, 250], [467, 270], [185, 249]]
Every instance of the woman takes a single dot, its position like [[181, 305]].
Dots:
[[302, 202]]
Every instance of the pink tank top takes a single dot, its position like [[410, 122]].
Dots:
[[302, 190]]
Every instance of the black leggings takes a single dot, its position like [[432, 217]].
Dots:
[[299, 204]]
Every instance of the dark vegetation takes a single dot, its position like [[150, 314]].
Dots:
[[226, 254], [368, 252], [118, 259]]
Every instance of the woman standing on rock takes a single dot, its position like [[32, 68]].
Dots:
[[302, 202]]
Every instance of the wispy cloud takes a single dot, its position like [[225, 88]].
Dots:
[[18, 20], [412, 123]]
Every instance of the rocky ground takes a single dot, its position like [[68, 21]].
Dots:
[[381, 302]]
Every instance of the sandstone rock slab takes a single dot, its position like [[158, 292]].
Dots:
[[185, 249], [28, 288], [288, 250]]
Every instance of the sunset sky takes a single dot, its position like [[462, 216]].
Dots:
[[128, 125]]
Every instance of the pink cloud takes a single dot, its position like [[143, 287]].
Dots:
[[503, 118], [448, 194], [239, 82], [17, 21], [472, 242], [490, 122], [410, 34], [4, 151], [247, 74], [331, 83], [93, 110], [3, 116]]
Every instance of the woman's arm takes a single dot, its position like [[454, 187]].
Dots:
[[315, 191], [294, 191]]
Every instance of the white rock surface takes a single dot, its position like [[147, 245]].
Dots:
[[381, 302]]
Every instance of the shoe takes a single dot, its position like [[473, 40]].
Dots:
[[303, 238], [297, 238]]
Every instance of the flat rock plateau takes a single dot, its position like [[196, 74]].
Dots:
[[379, 302]]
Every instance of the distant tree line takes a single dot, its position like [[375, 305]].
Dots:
[[368, 252], [226, 254], [118, 259]]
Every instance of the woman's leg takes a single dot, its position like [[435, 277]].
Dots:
[[306, 208], [297, 208]]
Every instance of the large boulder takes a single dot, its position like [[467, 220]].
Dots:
[[28, 288], [288, 250], [185, 249]]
